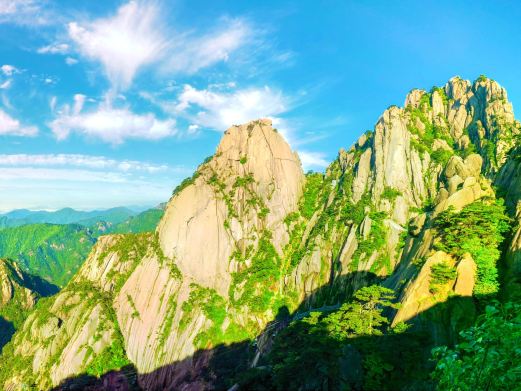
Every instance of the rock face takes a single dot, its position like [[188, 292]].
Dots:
[[249, 237], [15, 286], [254, 172], [158, 288]]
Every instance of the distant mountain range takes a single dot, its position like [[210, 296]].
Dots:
[[53, 245], [20, 217]]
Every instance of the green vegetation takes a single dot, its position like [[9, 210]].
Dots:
[[363, 315], [185, 183], [374, 242], [256, 285], [429, 133], [442, 93], [144, 222], [15, 311], [64, 216], [309, 203], [215, 309], [478, 229], [441, 273], [52, 252], [135, 312], [113, 357], [390, 194], [351, 348], [131, 249], [441, 156], [488, 357]]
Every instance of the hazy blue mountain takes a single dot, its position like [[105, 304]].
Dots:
[[20, 217]]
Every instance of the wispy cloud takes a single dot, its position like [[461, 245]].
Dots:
[[32, 173], [219, 110], [10, 126], [313, 160], [83, 181], [79, 160], [71, 61], [9, 70], [5, 85], [122, 43], [54, 48], [137, 36], [189, 54], [113, 125], [25, 12]]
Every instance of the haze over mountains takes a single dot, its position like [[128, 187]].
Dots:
[[65, 216], [259, 276]]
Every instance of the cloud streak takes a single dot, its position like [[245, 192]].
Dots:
[[23, 12], [10, 126], [191, 54], [79, 160]]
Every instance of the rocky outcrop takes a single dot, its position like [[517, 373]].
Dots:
[[16, 287], [253, 181]]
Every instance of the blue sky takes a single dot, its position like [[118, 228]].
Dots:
[[114, 102]]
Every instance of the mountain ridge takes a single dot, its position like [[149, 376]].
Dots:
[[249, 235], [19, 217]]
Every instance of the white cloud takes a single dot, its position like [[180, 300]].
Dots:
[[78, 160], [195, 53], [54, 48], [5, 85], [193, 129], [220, 110], [313, 160], [25, 12], [49, 174], [137, 36], [11, 7], [52, 103], [123, 43], [43, 181], [9, 70], [12, 127], [79, 101], [71, 61], [111, 125]]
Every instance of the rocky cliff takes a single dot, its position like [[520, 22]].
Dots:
[[249, 236], [19, 293]]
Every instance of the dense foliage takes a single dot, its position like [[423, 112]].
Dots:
[[350, 348], [53, 252], [144, 222], [478, 229], [488, 356]]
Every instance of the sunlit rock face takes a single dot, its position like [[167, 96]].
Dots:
[[204, 223]]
